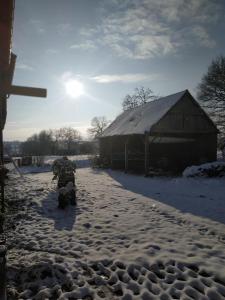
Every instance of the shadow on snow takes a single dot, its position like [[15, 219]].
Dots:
[[202, 197], [64, 219]]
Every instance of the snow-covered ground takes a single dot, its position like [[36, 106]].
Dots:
[[129, 237], [82, 161]]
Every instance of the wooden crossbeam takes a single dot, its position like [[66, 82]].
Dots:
[[26, 91], [10, 89]]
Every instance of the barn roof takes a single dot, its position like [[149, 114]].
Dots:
[[141, 119]]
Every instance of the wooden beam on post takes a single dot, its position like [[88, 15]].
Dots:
[[27, 91], [146, 154]]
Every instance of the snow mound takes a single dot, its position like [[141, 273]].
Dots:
[[213, 169]]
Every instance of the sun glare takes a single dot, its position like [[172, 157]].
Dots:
[[74, 88]]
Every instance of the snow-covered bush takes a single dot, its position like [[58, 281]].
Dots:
[[98, 162], [213, 169]]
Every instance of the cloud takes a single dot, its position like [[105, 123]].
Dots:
[[150, 46], [125, 78], [64, 28], [38, 26], [203, 36], [87, 45], [68, 75], [52, 51], [22, 66], [110, 78], [194, 35], [142, 29]]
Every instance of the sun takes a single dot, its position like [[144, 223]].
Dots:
[[74, 88]]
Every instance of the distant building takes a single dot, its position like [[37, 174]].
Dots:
[[13, 148], [170, 133]]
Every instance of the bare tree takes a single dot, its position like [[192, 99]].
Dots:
[[57, 141], [98, 124], [68, 137], [129, 102], [211, 92], [39, 144], [140, 96]]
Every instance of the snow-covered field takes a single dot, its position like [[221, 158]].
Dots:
[[129, 237]]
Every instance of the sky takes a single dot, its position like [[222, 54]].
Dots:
[[89, 54]]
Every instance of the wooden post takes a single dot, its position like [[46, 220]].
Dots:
[[7, 66], [146, 154], [6, 25], [111, 152], [3, 112], [2, 179], [126, 154], [1, 147], [2, 198], [3, 272]]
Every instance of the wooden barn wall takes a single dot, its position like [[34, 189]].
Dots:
[[168, 156], [136, 153], [112, 150], [184, 117], [104, 148], [177, 156], [185, 120]]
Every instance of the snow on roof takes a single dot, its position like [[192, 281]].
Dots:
[[140, 119]]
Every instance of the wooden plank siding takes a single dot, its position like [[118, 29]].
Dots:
[[185, 117]]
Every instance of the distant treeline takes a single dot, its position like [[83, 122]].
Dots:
[[63, 141]]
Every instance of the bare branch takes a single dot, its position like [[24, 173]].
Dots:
[[140, 96], [211, 92]]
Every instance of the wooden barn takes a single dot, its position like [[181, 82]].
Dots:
[[170, 133]]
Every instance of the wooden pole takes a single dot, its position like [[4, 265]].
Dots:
[[3, 272], [2, 199], [2, 179], [1, 146], [126, 154], [3, 112], [111, 152], [6, 29], [7, 66], [146, 154]]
